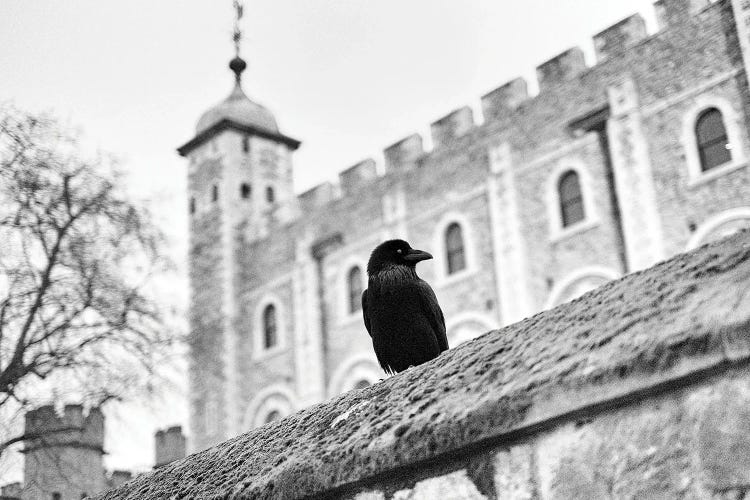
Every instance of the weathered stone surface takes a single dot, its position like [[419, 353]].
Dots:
[[455, 485], [628, 340], [514, 473], [723, 435]]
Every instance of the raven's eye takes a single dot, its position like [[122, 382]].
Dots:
[[399, 251]]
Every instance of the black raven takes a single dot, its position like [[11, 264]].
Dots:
[[400, 310]]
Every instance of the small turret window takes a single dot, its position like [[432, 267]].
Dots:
[[215, 193], [245, 190], [270, 195]]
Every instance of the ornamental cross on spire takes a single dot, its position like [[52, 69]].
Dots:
[[237, 34]]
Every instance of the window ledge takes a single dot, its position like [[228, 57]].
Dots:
[[560, 234], [449, 279], [716, 172], [264, 354]]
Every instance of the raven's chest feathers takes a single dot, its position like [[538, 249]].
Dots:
[[395, 300]]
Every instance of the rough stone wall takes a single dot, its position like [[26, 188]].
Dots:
[[591, 245], [206, 339], [638, 389]]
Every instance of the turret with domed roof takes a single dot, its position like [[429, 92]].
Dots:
[[240, 185]]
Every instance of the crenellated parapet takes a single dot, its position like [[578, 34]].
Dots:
[[566, 85], [357, 176], [404, 154], [451, 126], [45, 427], [506, 97], [619, 37], [561, 68], [317, 196], [170, 445], [673, 12]]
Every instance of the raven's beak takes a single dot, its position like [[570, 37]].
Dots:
[[414, 255]]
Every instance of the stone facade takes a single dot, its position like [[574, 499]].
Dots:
[[626, 126]]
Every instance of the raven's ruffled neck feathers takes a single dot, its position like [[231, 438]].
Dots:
[[394, 273]]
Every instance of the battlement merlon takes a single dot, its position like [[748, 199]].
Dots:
[[561, 68], [357, 176], [508, 96], [403, 154], [619, 37], [71, 428], [451, 126], [674, 12], [317, 196]]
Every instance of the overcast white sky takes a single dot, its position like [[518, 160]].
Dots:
[[346, 77]]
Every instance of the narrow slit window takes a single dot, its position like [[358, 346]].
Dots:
[[270, 195], [245, 144], [215, 193], [192, 205], [245, 191]]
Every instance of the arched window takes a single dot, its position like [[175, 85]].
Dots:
[[571, 199], [711, 136], [270, 333], [354, 285], [272, 415], [215, 193], [245, 190], [270, 195], [455, 252]]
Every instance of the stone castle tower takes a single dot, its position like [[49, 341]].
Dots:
[[607, 170], [240, 185], [65, 461]]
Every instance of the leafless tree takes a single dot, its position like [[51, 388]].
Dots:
[[77, 256]]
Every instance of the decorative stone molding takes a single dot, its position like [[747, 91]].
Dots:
[[355, 368], [732, 124], [720, 225], [577, 283], [277, 397], [259, 350], [442, 278], [507, 240], [590, 213], [641, 220]]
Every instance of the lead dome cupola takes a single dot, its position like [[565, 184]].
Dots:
[[238, 108]]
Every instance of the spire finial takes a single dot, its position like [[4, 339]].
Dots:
[[237, 65]]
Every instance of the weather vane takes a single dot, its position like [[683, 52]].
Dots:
[[237, 34]]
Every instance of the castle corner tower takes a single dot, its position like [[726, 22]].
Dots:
[[239, 183]]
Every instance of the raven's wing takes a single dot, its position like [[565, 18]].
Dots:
[[434, 314], [366, 312]]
